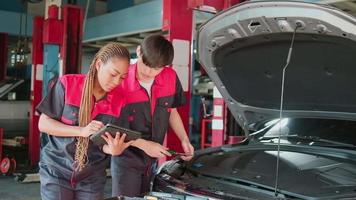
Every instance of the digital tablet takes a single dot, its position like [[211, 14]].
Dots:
[[112, 129]]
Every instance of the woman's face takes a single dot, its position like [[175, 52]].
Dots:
[[111, 73]]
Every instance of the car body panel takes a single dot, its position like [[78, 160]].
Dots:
[[245, 48], [305, 173]]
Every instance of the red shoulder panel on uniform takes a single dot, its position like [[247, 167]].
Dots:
[[73, 84], [165, 83]]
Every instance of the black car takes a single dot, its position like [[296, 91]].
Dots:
[[286, 70]]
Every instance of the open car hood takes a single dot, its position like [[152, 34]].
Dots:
[[245, 48]]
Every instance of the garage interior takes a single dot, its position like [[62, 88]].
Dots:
[[43, 39]]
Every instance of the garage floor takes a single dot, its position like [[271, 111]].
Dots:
[[12, 190]]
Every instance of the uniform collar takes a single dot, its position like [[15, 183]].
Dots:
[[159, 80]]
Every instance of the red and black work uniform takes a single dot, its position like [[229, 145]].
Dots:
[[58, 180], [148, 114]]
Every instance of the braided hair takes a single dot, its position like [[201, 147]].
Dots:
[[107, 52]]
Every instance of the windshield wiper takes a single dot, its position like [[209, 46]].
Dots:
[[249, 185], [313, 140]]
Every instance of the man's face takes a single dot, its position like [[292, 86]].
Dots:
[[146, 73]]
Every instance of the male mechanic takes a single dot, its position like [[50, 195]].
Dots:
[[153, 92]]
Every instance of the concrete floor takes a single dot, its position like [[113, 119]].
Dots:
[[13, 190]]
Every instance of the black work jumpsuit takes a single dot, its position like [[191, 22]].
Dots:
[[132, 171], [57, 176]]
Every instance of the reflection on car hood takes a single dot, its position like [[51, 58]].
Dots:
[[245, 48], [305, 172]]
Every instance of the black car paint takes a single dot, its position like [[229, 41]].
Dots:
[[306, 172]]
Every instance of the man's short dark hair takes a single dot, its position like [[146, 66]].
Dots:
[[156, 51]]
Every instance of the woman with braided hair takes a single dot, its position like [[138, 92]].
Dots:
[[71, 167]]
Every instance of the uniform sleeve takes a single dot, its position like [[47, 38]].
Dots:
[[52, 105], [179, 97]]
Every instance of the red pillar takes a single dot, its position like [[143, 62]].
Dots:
[[177, 21], [36, 89], [66, 32], [3, 55], [71, 48]]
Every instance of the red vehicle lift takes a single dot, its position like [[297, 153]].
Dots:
[[66, 32], [36, 90], [174, 13]]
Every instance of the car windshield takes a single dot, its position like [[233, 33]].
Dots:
[[323, 132]]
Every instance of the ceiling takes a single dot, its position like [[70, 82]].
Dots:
[[36, 7], [131, 41]]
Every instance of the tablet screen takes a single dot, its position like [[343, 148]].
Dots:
[[112, 129]]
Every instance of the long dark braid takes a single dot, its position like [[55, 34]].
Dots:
[[104, 55]]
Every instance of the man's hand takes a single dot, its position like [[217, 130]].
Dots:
[[176, 124], [91, 128], [188, 150], [153, 149], [115, 146]]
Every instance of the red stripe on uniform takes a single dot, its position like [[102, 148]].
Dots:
[[73, 86], [163, 86]]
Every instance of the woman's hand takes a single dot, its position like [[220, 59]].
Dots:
[[91, 128], [188, 150], [115, 146], [153, 149]]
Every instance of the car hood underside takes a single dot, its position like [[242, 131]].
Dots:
[[245, 49]]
